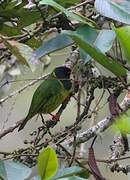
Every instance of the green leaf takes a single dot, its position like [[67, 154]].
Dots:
[[89, 35], [102, 40], [67, 4], [119, 11], [47, 163], [73, 178], [65, 172], [3, 174], [98, 56], [69, 14], [10, 170], [9, 31], [123, 35], [123, 123], [59, 42], [27, 17]]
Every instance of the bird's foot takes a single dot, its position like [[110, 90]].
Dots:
[[55, 117], [53, 121]]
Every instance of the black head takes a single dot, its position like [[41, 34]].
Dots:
[[62, 72]]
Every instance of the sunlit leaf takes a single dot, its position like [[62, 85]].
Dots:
[[123, 35], [123, 123], [117, 10], [98, 56], [47, 163]]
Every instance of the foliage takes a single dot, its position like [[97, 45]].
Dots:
[[30, 30], [47, 168]]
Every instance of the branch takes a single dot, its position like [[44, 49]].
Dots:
[[99, 127], [22, 89]]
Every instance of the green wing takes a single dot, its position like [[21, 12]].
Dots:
[[44, 97]]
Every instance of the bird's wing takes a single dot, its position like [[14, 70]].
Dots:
[[42, 95]]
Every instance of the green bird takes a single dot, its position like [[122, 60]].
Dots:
[[50, 93]]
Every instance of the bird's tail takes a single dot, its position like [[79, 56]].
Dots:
[[23, 124]]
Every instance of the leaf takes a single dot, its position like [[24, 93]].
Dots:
[[67, 4], [9, 30], [123, 35], [98, 56], [47, 163], [93, 165], [89, 35], [3, 174], [27, 17], [69, 14], [35, 178], [21, 51], [72, 178], [104, 40], [117, 10], [65, 172], [59, 42], [16, 170], [123, 123]]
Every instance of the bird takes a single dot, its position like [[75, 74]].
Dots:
[[50, 93]]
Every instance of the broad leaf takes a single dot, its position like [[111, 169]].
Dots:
[[123, 123], [59, 42], [65, 172], [123, 35], [73, 178], [10, 170], [47, 163], [69, 14], [98, 56], [117, 10], [104, 40], [3, 174], [89, 35], [35, 178]]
